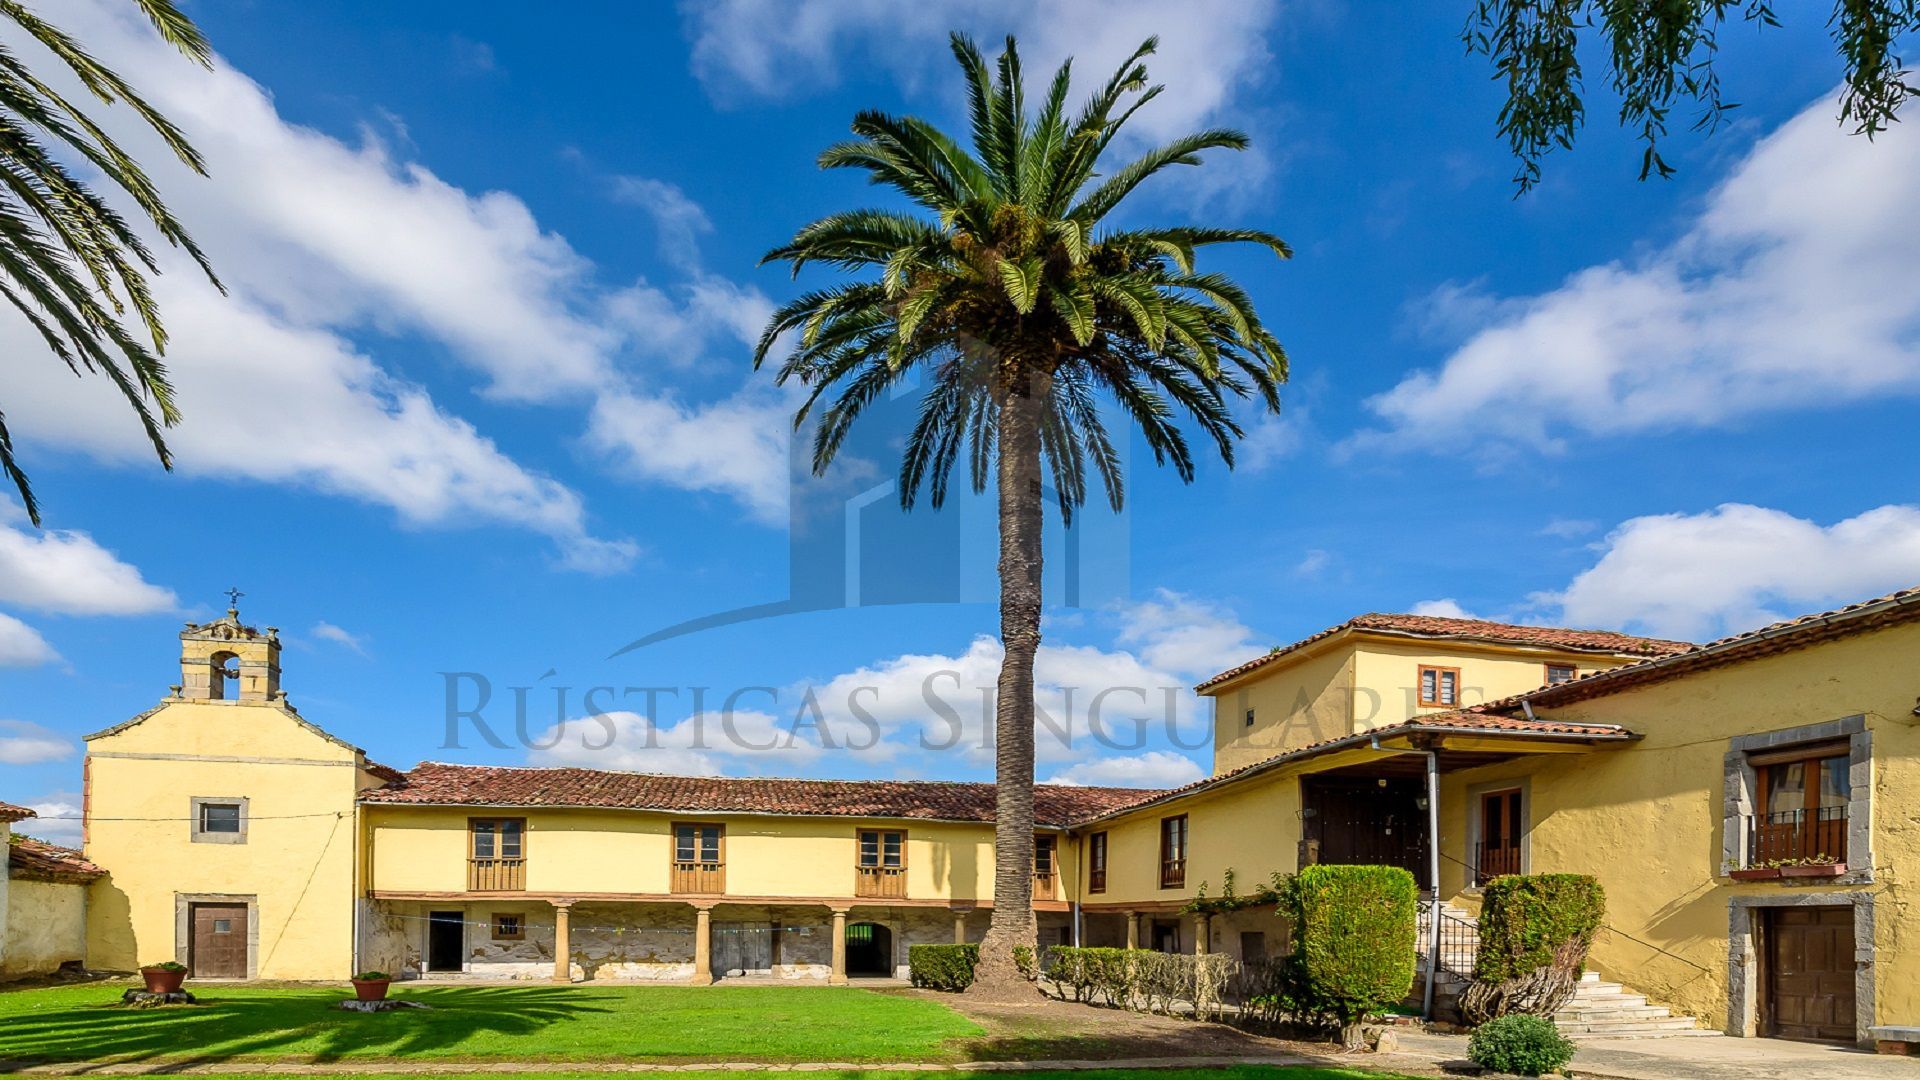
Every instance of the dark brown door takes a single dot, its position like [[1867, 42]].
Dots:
[[1368, 823], [1809, 974], [219, 945]]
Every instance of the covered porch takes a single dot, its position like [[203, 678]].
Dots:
[[685, 940]]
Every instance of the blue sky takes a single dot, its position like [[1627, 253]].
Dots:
[[480, 399]]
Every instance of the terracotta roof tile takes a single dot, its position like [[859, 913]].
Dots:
[[1784, 636], [1438, 723], [477, 785], [1433, 626], [10, 812], [32, 858]]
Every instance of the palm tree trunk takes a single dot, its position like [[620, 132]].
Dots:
[[1021, 512]]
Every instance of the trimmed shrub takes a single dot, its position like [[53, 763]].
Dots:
[[1535, 931], [942, 967], [1355, 931], [1142, 979], [1522, 1045]]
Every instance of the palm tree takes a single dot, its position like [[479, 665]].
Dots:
[[69, 262], [1024, 314]]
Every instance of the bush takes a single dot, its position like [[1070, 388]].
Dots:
[[1142, 978], [164, 965], [1355, 932], [942, 967], [373, 976], [1535, 931], [1523, 1045]]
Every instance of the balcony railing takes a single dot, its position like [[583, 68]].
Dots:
[[1097, 879], [880, 882], [1173, 873], [1798, 835], [1494, 860], [699, 877], [1043, 885], [496, 875]]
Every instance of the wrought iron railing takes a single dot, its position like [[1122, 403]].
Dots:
[[1458, 947], [1798, 835]]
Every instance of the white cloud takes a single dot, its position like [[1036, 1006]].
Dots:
[[1153, 769], [59, 820], [67, 572], [329, 248], [1446, 608], [1209, 50], [21, 645], [680, 221], [1568, 528], [1791, 289], [1736, 567], [1184, 636], [22, 743], [1313, 563], [718, 743], [326, 631], [736, 447]]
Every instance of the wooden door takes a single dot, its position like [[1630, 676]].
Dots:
[[218, 946], [1809, 975], [1500, 828]]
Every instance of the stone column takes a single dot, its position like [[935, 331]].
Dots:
[[838, 977], [1133, 930], [562, 944], [1202, 933], [702, 946], [959, 928]]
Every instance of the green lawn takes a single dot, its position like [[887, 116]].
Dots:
[[1238, 1072], [523, 1023]]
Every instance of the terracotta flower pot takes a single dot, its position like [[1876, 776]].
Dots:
[[163, 981], [371, 989], [1814, 870]]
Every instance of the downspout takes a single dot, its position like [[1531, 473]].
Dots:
[[1080, 883], [1433, 865]]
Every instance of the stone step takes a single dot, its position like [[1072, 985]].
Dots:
[[1576, 1014], [1674, 1033], [1626, 1027], [1588, 989], [1607, 1001]]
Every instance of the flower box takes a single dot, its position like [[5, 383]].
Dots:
[[1814, 870], [1755, 873]]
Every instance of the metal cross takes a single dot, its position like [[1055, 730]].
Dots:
[[233, 598]]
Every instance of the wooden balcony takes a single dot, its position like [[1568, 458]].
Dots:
[[496, 875], [1173, 873], [1494, 860], [880, 882], [1097, 879], [1044, 885], [699, 877]]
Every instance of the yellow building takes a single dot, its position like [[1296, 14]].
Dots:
[[245, 841]]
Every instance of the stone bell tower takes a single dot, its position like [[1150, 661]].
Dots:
[[227, 660]]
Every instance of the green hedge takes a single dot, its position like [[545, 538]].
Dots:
[[1355, 932], [1143, 979], [1526, 922], [1521, 1045], [942, 967]]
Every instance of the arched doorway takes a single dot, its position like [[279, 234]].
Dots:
[[869, 949]]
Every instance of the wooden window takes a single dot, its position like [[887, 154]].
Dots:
[[1439, 686], [509, 926], [1249, 722], [1561, 673], [1803, 798], [496, 854], [1498, 852], [1173, 852], [699, 857], [880, 869], [1097, 862], [1044, 867]]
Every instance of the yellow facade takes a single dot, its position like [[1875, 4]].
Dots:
[[1354, 680]]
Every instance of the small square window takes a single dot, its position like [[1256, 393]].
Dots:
[[219, 821], [1561, 673], [223, 926], [1439, 687], [1249, 721], [509, 926]]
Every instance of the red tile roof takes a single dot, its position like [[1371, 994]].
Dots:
[[1463, 722], [30, 858], [10, 812], [1439, 628], [436, 783], [1807, 630]]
